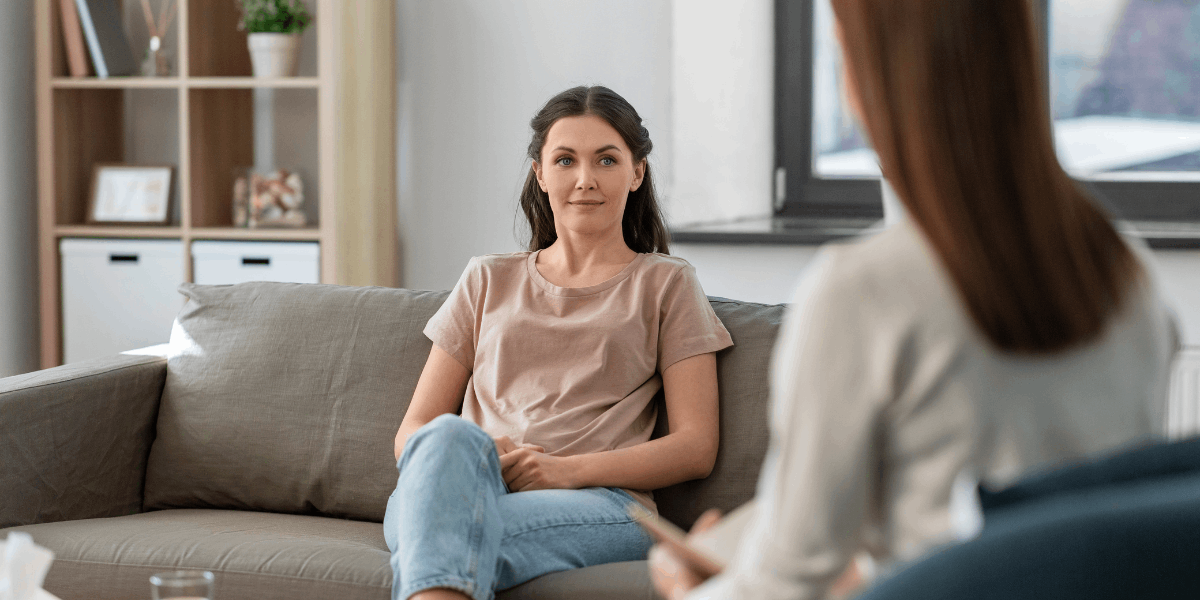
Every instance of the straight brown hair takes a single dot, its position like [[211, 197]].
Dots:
[[954, 101], [642, 223]]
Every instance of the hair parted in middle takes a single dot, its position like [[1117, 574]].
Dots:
[[642, 223]]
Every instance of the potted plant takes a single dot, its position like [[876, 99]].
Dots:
[[274, 28]]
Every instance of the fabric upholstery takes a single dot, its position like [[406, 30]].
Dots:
[[1128, 465], [614, 581], [266, 556], [742, 376], [279, 397], [286, 397], [74, 439], [257, 556], [1128, 538], [276, 402]]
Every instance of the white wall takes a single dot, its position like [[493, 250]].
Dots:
[[18, 233], [769, 274], [472, 74], [723, 76], [756, 273], [700, 72], [1179, 273]]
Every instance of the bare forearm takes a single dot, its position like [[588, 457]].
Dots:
[[407, 428], [671, 459], [439, 390]]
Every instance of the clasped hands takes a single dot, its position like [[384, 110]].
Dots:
[[527, 467]]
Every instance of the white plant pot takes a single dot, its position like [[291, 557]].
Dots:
[[274, 54]]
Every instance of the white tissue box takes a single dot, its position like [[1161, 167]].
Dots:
[[23, 566]]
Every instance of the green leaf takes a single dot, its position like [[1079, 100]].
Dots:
[[274, 16]]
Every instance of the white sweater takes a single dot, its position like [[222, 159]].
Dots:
[[887, 401]]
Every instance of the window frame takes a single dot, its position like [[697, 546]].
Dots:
[[808, 197]]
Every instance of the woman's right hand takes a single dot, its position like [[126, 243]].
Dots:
[[505, 445]]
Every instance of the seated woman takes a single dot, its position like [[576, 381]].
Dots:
[[555, 356], [1003, 326]]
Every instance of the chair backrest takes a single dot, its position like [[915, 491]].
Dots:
[[1095, 531]]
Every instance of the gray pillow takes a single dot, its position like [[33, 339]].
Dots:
[[742, 378], [286, 397]]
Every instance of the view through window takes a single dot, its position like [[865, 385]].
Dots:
[[1124, 85]]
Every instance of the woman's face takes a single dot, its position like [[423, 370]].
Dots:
[[588, 172]]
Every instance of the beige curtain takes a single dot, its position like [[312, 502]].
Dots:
[[368, 248]]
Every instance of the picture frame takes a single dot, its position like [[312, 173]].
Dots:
[[130, 194]]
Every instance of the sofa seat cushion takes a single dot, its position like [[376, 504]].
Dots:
[[615, 581], [265, 556], [253, 555]]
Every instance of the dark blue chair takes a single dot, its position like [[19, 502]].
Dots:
[[1122, 527]]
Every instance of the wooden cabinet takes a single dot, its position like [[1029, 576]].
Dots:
[[202, 121]]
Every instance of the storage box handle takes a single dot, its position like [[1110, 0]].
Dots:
[[123, 258], [255, 262]]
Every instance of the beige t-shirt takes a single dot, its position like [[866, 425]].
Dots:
[[573, 370]]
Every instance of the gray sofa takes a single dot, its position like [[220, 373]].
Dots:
[[260, 448]]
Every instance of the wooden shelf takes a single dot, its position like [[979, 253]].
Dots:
[[236, 233], [303, 234], [117, 231], [202, 121], [121, 83], [253, 82], [136, 83]]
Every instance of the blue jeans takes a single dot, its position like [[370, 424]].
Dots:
[[452, 523]]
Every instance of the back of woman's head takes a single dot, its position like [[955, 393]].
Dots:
[[642, 222], [954, 101]]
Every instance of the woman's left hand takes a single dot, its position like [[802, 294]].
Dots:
[[528, 468]]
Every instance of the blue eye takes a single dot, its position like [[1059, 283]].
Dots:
[[565, 161], [607, 161]]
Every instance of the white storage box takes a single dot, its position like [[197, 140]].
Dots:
[[217, 263], [118, 295]]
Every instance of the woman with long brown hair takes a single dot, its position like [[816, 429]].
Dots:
[[554, 357], [1004, 325]]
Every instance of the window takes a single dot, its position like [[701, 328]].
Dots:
[[1125, 97]]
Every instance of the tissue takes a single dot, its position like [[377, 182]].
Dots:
[[23, 566]]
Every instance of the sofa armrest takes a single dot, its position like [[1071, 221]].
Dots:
[[74, 439]]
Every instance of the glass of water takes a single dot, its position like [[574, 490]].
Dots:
[[182, 585]]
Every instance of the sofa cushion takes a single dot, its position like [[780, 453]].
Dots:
[[742, 377], [253, 555], [74, 439], [286, 398], [615, 581], [264, 556]]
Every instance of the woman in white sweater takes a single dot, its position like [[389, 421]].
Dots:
[[1002, 326]]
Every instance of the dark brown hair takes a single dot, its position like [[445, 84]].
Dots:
[[642, 223], [955, 104]]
